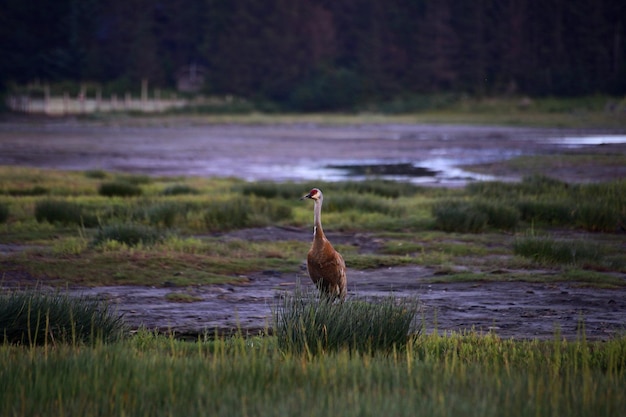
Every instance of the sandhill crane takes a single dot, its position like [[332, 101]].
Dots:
[[325, 265]]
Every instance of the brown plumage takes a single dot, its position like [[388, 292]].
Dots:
[[325, 265]]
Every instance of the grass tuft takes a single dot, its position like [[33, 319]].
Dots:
[[306, 323], [556, 213], [96, 174], [600, 216], [179, 189], [499, 215], [381, 188], [129, 234], [62, 212], [36, 318], [164, 213], [244, 212], [542, 184], [474, 216], [551, 251], [292, 191], [119, 189], [33, 191], [267, 189], [459, 216]]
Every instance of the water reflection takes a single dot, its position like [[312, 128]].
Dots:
[[287, 152], [575, 142]]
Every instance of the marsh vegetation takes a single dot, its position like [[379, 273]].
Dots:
[[179, 232], [467, 374], [73, 234]]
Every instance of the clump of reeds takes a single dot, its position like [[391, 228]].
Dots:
[[381, 188], [288, 191], [119, 189], [244, 212], [97, 174], [474, 216], [306, 323], [63, 212], [601, 216], [268, 189], [32, 191], [129, 234], [163, 213], [596, 207], [546, 211], [554, 251], [179, 189], [364, 203], [458, 216], [34, 317]]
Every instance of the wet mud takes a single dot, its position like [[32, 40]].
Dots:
[[508, 309]]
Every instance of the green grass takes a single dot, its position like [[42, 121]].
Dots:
[[306, 323], [596, 207], [552, 251], [459, 374], [63, 212], [244, 212], [128, 234], [318, 365], [173, 260], [179, 189], [35, 317], [119, 188], [158, 237], [164, 214]]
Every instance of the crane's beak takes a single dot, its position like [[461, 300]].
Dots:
[[306, 196]]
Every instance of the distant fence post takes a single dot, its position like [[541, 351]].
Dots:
[[66, 104]]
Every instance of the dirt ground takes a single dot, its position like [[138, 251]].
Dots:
[[509, 309], [304, 152]]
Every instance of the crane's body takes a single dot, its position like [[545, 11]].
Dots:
[[325, 265]]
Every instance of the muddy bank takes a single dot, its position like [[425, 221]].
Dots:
[[509, 309]]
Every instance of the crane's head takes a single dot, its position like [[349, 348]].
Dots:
[[315, 194]]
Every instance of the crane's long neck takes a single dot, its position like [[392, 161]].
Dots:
[[318, 232]]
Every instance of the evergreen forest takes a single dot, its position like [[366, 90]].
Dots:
[[312, 55]]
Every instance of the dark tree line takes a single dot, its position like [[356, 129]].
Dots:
[[323, 53]]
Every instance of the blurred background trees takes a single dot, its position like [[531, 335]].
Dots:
[[322, 54]]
